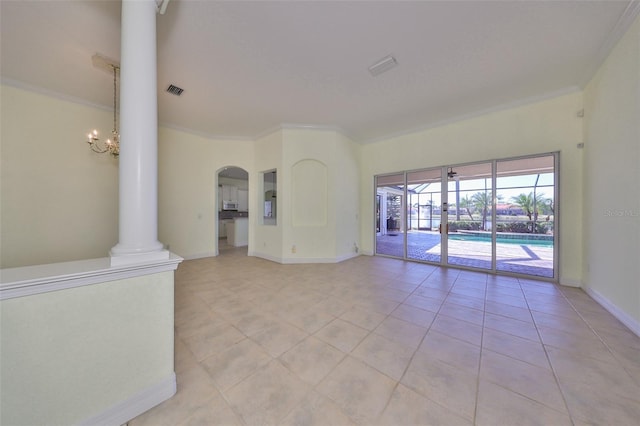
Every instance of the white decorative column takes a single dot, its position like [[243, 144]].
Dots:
[[138, 227]]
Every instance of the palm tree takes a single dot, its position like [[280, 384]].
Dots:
[[483, 201], [466, 203], [532, 206], [525, 202]]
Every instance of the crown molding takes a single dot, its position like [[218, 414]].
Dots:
[[474, 114], [51, 93], [205, 135], [303, 126], [619, 30]]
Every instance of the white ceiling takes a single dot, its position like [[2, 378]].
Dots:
[[249, 67]]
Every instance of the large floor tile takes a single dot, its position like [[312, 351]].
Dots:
[[511, 326], [361, 391], [500, 406], [407, 407], [317, 410], [385, 355], [414, 315], [278, 338], [443, 383], [515, 347], [400, 331], [452, 351], [366, 319], [236, 363], [268, 395], [212, 340], [342, 335], [458, 329], [593, 405], [531, 381], [214, 412], [312, 359]]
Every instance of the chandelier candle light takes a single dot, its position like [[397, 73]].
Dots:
[[112, 145]]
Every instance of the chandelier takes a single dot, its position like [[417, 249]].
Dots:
[[111, 145]]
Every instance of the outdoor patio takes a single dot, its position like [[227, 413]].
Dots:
[[529, 259]]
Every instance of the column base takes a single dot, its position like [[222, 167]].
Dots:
[[133, 258]]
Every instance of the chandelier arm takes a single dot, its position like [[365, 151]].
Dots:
[[112, 146]]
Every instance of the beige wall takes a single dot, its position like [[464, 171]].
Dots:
[[69, 355], [188, 167], [266, 240], [541, 127], [317, 196], [347, 196], [58, 200], [321, 196], [612, 184]]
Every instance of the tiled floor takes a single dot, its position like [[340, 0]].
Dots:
[[376, 340]]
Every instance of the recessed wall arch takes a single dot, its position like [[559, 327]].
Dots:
[[309, 193]]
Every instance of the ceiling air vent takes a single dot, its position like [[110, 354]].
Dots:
[[174, 90]]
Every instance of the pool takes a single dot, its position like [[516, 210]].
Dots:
[[517, 241]]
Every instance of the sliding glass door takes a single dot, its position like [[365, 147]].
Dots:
[[495, 216], [525, 215], [390, 210], [469, 222], [424, 215]]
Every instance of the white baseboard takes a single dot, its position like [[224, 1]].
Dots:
[[623, 317], [265, 256], [346, 257], [569, 282], [299, 260], [131, 408], [200, 255]]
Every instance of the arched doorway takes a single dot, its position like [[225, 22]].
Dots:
[[232, 201]]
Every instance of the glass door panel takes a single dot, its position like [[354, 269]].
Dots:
[[525, 216], [390, 235], [469, 225], [424, 205]]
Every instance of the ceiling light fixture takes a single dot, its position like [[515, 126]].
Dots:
[[112, 146], [384, 64]]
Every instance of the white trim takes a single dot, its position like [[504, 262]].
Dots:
[[299, 260], [51, 93], [131, 408], [619, 30], [623, 317], [205, 135], [31, 280], [474, 114], [570, 282], [266, 256], [296, 260], [346, 257], [200, 255], [302, 126]]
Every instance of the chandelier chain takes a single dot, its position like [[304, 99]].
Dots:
[[115, 90]]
